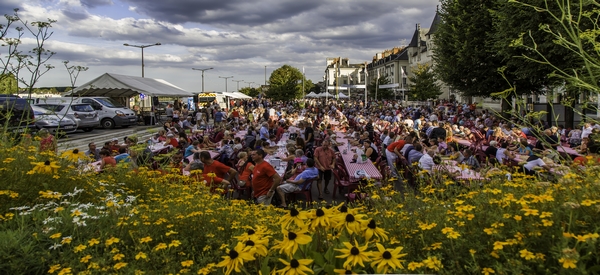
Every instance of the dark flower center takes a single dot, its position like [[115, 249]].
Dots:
[[249, 243], [292, 236], [251, 232], [372, 224], [233, 254], [344, 209], [47, 162], [294, 263], [348, 272], [294, 212], [76, 151], [320, 213], [349, 218], [387, 255], [354, 251]]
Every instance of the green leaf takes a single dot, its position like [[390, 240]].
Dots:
[[264, 266]]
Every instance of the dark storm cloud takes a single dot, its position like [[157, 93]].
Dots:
[[95, 3], [223, 12], [75, 15], [8, 6]]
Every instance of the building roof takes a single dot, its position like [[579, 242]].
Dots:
[[414, 42], [116, 85], [434, 24]]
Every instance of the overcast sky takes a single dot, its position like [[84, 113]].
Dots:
[[236, 37]]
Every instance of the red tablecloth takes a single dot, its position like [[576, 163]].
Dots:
[[368, 166]]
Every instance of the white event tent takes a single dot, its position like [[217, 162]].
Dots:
[[116, 85]]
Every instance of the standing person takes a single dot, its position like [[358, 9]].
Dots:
[[218, 117], [325, 162], [169, 111], [48, 143], [93, 152], [309, 134], [264, 178]]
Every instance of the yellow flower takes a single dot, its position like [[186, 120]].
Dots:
[[321, 217], [352, 222], [547, 222], [353, 254], [55, 236], [372, 230], [343, 271], [433, 263], [85, 259], [257, 246], [141, 255], [47, 167], [187, 263], [414, 265], [517, 217], [74, 155], [66, 240], [530, 212], [118, 257], [295, 267], [568, 263], [291, 240], [93, 242], [450, 233], [160, 246], [111, 241], [65, 271], [499, 245], [54, 268], [119, 266], [171, 232], [293, 216], [385, 259], [174, 243], [79, 248], [145, 239], [487, 271], [472, 251], [235, 259], [425, 226], [526, 254]]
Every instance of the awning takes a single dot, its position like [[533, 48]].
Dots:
[[116, 85]]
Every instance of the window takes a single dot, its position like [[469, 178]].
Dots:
[[54, 108], [82, 108]]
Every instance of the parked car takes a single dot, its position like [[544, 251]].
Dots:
[[110, 112], [54, 123], [83, 114], [16, 115]]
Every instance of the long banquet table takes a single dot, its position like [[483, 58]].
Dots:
[[351, 168]]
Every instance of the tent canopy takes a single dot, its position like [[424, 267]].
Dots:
[[236, 95], [311, 94], [341, 95], [116, 85]]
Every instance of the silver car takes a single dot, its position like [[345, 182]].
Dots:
[[55, 124], [83, 114]]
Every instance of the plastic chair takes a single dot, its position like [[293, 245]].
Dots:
[[339, 181], [240, 189], [307, 191]]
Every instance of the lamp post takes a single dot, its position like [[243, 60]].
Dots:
[[238, 84], [226, 77], [202, 70], [142, 47], [151, 101]]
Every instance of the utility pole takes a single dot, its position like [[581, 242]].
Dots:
[[238, 84], [202, 75], [226, 77]]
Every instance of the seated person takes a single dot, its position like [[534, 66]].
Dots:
[[454, 152], [123, 155], [299, 182], [245, 168], [470, 160], [106, 159], [426, 161], [532, 162], [195, 164], [416, 153]]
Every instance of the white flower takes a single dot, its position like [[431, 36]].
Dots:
[[20, 208], [55, 246]]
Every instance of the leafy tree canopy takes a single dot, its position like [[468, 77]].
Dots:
[[285, 83], [423, 83]]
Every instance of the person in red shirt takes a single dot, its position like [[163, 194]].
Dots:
[[236, 115], [213, 166], [171, 140], [279, 132], [392, 153], [325, 162], [264, 178], [245, 167]]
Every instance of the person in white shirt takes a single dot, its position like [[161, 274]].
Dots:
[[587, 130], [426, 161]]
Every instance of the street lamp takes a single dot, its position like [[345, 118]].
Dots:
[[202, 70], [226, 77], [142, 47], [238, 84]]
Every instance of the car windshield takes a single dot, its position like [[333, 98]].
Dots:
[[108, 102], [55, 108], [38, 111], [82, 108]]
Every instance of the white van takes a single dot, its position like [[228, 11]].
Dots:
[[110, 113]]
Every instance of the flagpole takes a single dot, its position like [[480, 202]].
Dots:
[[303, 77], [366, 83]]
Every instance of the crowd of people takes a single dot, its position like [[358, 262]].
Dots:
[[408, 137]]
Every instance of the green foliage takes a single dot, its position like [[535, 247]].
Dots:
[[285, 83], [423, 84], [253, 92], [373, 88], [8, 84], [465, 56]]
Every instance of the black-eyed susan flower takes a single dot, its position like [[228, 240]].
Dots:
[[354, 254], [322, 217], [352, 222], [291, 240], [74, 155], [371, 230], [293, 216], [235, 259], [343, 271], [257, 246], [384, 259], [295, 267], [46, 167]]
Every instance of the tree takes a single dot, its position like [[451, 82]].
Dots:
[[464, 55], [285, 83], [253, 92], [8, 84], [373, 88], [423, 84]]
